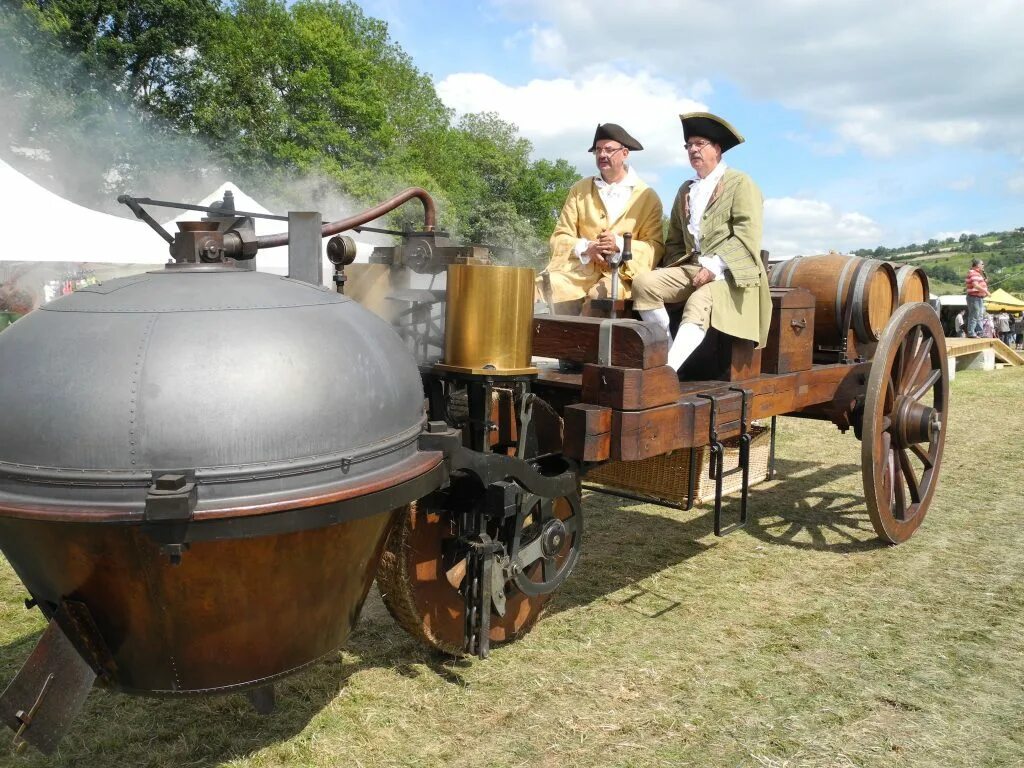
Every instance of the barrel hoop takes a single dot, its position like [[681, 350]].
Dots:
[[901, 276], [859, 322], [840, 304], [791, 272], [848, 309]]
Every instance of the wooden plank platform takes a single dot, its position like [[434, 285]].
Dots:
[[958, 347]]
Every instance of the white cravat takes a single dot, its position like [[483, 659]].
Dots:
[[615, 196]]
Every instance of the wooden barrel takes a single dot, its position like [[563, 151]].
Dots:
[[837, 280], [912, 283]]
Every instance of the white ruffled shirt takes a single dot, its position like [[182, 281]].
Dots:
[[615, 196], [700, 195]]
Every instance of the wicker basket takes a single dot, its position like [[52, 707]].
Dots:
[[667, 477]]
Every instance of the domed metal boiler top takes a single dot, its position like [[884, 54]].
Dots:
[[268, 391]]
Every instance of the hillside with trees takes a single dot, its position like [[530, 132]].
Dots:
[[309, 103], [946, 262]]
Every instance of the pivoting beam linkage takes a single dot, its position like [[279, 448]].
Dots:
[[328, 229]]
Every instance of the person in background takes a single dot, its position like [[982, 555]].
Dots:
[[958, 323], [713, 249], [597, 213], [1018, 329], [977, 290], [1003, 328], [988, 327]]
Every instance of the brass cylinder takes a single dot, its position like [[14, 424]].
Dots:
[[488, 319]]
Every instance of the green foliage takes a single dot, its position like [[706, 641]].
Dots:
[[94, 140], [276, 92], [137, 45], [947, 264]]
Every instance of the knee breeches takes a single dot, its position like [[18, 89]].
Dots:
[[671, 285]]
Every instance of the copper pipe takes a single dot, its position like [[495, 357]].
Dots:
[[334, 227]]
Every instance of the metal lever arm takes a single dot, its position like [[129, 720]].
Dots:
[[136, 208]]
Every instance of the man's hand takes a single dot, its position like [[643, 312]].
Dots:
[[703, 277], [607, 243], [596, 253]]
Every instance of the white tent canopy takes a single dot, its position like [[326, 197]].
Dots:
[[40, 226]]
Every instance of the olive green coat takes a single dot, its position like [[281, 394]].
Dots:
[[730, 228]]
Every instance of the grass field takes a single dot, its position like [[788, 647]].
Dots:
[[801, 642]]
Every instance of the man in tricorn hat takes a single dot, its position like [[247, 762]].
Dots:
[[598, 211], [713, 250]]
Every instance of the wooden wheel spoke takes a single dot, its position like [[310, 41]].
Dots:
[[927, 458], [910, 348], [922, 354], [909, 475], [899, 495], [927, 384]]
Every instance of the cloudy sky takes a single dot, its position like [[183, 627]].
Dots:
[[867, 122]]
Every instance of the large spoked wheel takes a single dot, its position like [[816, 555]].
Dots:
[[904, 426], [422, 571]]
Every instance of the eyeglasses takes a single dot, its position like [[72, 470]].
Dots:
[[606, 151], [698, 144]]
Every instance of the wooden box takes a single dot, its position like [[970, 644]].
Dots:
[[667, 477], [790, 344]]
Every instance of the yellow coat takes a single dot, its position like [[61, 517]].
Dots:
[[584, 215], [730, 228]]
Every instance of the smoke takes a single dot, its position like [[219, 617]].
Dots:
[[86, 141], [78, 136]]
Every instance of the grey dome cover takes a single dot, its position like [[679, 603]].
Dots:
[[259, 384]]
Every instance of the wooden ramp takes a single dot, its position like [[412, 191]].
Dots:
[[962, 346]]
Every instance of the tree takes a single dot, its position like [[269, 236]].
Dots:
[[277, 92], [135, 44], [80, 136]]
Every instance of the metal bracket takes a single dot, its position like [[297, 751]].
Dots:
[[477, 595], [604, 342], [716, 460], [744, 458], [171, 498], [170, 503]]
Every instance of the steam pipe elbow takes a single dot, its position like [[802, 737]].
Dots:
[[334, 227]]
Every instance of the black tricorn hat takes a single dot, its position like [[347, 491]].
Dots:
[[710, 127], [614, 132]]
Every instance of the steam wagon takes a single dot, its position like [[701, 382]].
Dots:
[[204, 467]]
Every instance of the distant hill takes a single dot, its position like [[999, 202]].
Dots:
[[946, 262]]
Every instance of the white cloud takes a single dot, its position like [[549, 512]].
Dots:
[[886, 76], [548, 47], [796, 226], [559, 115]]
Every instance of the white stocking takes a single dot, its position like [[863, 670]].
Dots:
[[688, 338], [659, 316]]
